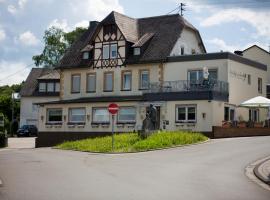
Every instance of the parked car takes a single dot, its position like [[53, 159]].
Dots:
[[27, 130]]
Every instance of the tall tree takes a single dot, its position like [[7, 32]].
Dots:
[[56, 43]]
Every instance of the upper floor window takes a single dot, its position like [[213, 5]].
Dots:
[[182, 50], [42, 87], [50, 87], [75, 83], [108, 82], [136, 51], [144, 79], [91, 82], [85, 55], [126, 80], [77, 115], [260, 85], [186, 113], [113, 51], [106, 52], [57, 87], [197, 75], [54, 115], [100, 115]]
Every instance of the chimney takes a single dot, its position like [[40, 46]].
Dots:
[[239, 53], [93, 24]]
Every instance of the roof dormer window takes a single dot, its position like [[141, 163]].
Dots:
[[136, 51], [86, 55]]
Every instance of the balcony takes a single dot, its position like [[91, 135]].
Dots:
[[188, 90]]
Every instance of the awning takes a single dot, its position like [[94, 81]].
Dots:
[[256, 102]]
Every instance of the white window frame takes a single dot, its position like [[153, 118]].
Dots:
[[94, 109], [123, 120], [72, 83], [112, 50], [186, 113], [106, 51], [39, 87], [141, 81], [70, 114], [48, 112], [88, 78]]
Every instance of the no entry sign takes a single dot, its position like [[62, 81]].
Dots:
[[113, 108]]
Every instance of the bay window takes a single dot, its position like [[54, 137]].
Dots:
[[100, 115], [186, 113], [127, 114], [76, 115]]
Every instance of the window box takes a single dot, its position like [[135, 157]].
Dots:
[[71, 125], [95, 125], [80, 125], [49, 126], [120, 125], [57, 125], [179, 124], [105, 125], [130, 125]]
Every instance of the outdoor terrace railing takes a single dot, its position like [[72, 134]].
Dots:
[[187, 85]]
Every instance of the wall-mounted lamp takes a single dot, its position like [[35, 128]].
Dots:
[[203, 115]]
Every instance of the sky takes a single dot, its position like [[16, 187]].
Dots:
[[225, 25]]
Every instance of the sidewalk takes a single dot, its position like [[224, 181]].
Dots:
[[262, 171]]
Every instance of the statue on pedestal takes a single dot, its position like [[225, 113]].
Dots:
[[149, 123]]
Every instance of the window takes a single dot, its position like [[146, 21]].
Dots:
[[100, 115], [259, 85], [136, 51], [254, 115], [182, 50], [127, 114], [197, 75], [213, 74], [108, 81], [229, 113], [249, 79], [186, 113], [54, 115], [193, 51], [86, 55], [42, 87], [50, 87], [144, 79], [126, 80], [57, 87], [75, 83], [106, 52], [77, 115], [91, 82], [113, 51]]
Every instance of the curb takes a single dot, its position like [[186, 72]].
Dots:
[[258, 174], [150, 150], [249, 171]]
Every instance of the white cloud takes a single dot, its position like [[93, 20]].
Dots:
[[257, 19], [95, 9], [60, 24], [28, 38], [21, 3], [2, 35], [13, 72], [83, 23], [12, 9]]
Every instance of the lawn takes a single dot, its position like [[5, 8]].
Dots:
[[131, 142]]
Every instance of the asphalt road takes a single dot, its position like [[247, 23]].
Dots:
[[214, 170]]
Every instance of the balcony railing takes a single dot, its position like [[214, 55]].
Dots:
[[186, 85]]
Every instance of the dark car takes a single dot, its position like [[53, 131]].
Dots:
[[27, 130]]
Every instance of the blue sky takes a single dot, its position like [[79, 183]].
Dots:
[[224, 25]]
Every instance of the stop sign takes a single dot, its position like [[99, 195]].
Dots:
[[113, 108]]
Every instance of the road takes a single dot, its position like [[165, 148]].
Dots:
[[214, 170]]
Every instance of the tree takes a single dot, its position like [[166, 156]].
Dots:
[[56, 43]]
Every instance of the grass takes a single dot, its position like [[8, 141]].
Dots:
[[131, 142]]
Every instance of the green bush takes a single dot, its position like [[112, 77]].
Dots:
[[3, 140], [130, 142]]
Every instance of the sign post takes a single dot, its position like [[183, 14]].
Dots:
[[113, 109]]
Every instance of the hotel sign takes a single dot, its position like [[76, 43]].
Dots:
[[239, 75]]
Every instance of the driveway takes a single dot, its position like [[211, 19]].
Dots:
[[21, 143], [214, 170]]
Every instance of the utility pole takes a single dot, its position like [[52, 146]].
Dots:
[[182, 5]]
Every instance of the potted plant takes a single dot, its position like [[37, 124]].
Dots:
[[226, 124], [258, 124], [241, 123]]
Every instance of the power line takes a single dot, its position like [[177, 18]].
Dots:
[[179, 8], [3, 79]]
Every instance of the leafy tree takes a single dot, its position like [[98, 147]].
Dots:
[[56, 43]]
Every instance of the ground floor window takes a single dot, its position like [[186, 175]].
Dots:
[[54, 115], [186, 113], [77, 115], [254, 115], [127, 114], [101, 115], [229, 113]]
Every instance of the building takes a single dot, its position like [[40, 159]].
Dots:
[[137, 62], [41, 85], [257, 53]]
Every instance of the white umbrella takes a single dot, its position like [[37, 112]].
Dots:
[[256, 102]]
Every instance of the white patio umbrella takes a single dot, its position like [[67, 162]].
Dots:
[[256, 102]]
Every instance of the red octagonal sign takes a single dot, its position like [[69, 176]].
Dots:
[[113, 108]]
